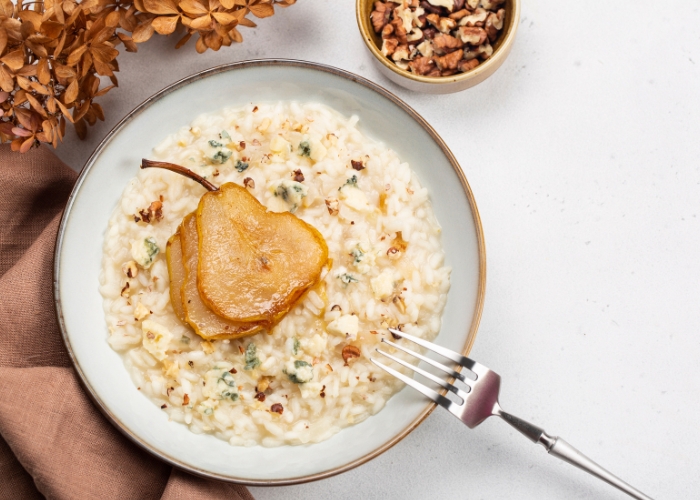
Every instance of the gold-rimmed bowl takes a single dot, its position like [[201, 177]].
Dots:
[[78, 263], [442, 84]]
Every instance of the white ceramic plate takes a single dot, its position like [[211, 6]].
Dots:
[[115, 162]]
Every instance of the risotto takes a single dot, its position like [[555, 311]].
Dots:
[[310, 375]]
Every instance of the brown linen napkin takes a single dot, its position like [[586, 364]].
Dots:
[[53, 442]]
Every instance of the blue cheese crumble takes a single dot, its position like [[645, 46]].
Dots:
[[292, 193], [251, 357], [299, 371], [144, 251], [219, 383], [156, 338]]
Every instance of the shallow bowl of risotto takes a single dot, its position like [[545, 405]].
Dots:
[[286, 394]]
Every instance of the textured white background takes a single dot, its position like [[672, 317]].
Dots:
[[583, 152]]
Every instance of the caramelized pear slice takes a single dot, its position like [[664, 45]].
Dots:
[[254, 264], [176, 271], [205, 323]]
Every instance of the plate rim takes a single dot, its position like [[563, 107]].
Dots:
[[294, 63]]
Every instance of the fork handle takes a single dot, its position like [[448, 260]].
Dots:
[[559, 448]]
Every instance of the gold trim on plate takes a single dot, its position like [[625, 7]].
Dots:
[[204, 74]]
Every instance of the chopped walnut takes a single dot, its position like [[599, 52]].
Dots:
[[465, 65], [491, 4], [445, 43], [416, 36], [494, 24], [446, 24], [350, 352], [399, 31], [277, 408], [153, 213], [249, 183], [380, 16], [484, 51], [125, 291], [298, 176], [472, 35], [459, 14], [429, 7], [388, 31], [389, 46], [449, 61], [415, 32], [130, 269], [333, 206], [426, 48], [185, 400], [422, 65], [357, 165], [399, 303], [401, 53], [476, 18]]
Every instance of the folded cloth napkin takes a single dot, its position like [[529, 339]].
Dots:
[[53, 442]]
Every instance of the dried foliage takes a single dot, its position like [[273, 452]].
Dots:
[[58, 56]]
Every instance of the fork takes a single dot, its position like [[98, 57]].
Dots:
[[480, 401]]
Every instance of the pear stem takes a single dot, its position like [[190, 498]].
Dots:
[[180, 170]]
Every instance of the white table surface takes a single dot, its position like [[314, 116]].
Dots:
[[583, 152]]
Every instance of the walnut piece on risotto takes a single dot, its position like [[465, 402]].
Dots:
[[130, 269], [332, 204], [153, 213], [350, 352]]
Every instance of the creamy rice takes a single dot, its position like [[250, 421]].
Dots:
[[232, 388]]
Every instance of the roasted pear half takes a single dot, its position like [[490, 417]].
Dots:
[[254, 264], [176, 271], [204, 321]]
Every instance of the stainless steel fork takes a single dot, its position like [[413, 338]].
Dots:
[[480, 401]]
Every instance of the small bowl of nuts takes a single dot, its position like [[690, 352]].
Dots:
[[438, 46]]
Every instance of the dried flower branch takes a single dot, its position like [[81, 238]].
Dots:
[[54, 53]]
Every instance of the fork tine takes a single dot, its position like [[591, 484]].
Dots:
[[449, 354], [439, 366], [426, 391], [427, 375]]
